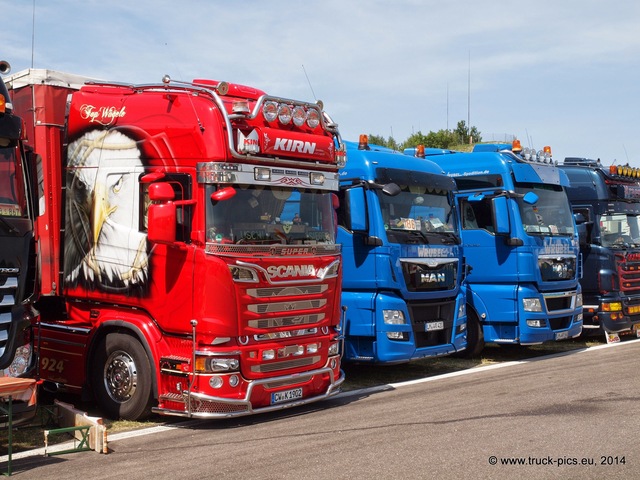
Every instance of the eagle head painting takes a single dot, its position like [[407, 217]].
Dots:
[[104, 247]]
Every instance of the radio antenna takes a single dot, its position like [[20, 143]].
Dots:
[[308, 81], [33, 31]]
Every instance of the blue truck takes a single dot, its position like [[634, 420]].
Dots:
[[520, 241], [402, 292], [606, 199], [17, 256]]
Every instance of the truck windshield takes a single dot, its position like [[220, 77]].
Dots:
[[418, 214], [258, 215], [550, 215], [619, 230], [12, 200]]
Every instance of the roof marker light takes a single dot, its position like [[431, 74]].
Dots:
[[420, 151], [363, 142], [241, 106], [516, 146]]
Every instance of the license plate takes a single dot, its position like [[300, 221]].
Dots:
[[286, 396], [562, 335], [433, 326]]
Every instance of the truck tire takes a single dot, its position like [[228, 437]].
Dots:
[[475, 336], [121, 378]]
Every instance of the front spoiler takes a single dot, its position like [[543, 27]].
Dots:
[[198, 405]]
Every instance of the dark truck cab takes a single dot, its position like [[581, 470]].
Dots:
[[17, 257], [607, 201]]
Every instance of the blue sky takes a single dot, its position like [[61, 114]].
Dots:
[[559, 73]]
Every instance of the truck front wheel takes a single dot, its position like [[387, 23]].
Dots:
[[475, 336], [121, 378]]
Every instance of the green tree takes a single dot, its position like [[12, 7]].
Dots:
[[379, 140], [467, 135], [445, 139]]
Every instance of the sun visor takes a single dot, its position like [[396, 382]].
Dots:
[[539, 173]]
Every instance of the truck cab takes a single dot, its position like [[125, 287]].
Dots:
[[520, 242], [606, 199], [402, 290], [17, 253]]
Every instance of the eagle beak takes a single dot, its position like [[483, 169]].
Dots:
[[101, 211]]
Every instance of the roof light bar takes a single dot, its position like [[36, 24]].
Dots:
[[625, 171], [299, 115]]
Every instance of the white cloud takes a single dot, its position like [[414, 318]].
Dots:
[[562, 73]]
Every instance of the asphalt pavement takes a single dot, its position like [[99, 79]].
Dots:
[[564, 416]]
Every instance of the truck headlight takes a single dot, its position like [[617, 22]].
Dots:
[[612, 306], [578, 300], [393, 317], [216, 364], [532, 305]]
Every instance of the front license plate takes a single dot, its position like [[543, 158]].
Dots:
[[433, 326], [562, 335], [286, 396]]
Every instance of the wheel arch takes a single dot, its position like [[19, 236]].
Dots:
[[127, 328]]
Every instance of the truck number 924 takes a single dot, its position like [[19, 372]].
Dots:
[[52, 365]]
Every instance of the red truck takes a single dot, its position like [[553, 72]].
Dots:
[[186, 245]]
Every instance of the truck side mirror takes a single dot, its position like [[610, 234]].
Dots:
[[356, 209], [583, 230], [501, 215], [161, 225], [223, 194]]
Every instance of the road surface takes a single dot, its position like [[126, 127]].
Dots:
[[565, 416]]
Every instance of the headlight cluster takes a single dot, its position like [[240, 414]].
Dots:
[[462, 309], [286, 114], [393, 317], [216, 364], [532, 305]]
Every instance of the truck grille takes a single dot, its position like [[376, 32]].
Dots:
[[559, 323], [423, 313], [7, 302], [559, 302], [285, 365], [429, 275], [628, 272], [557, 268]]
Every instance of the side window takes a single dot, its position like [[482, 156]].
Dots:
[[585, 213], [477, 215]]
